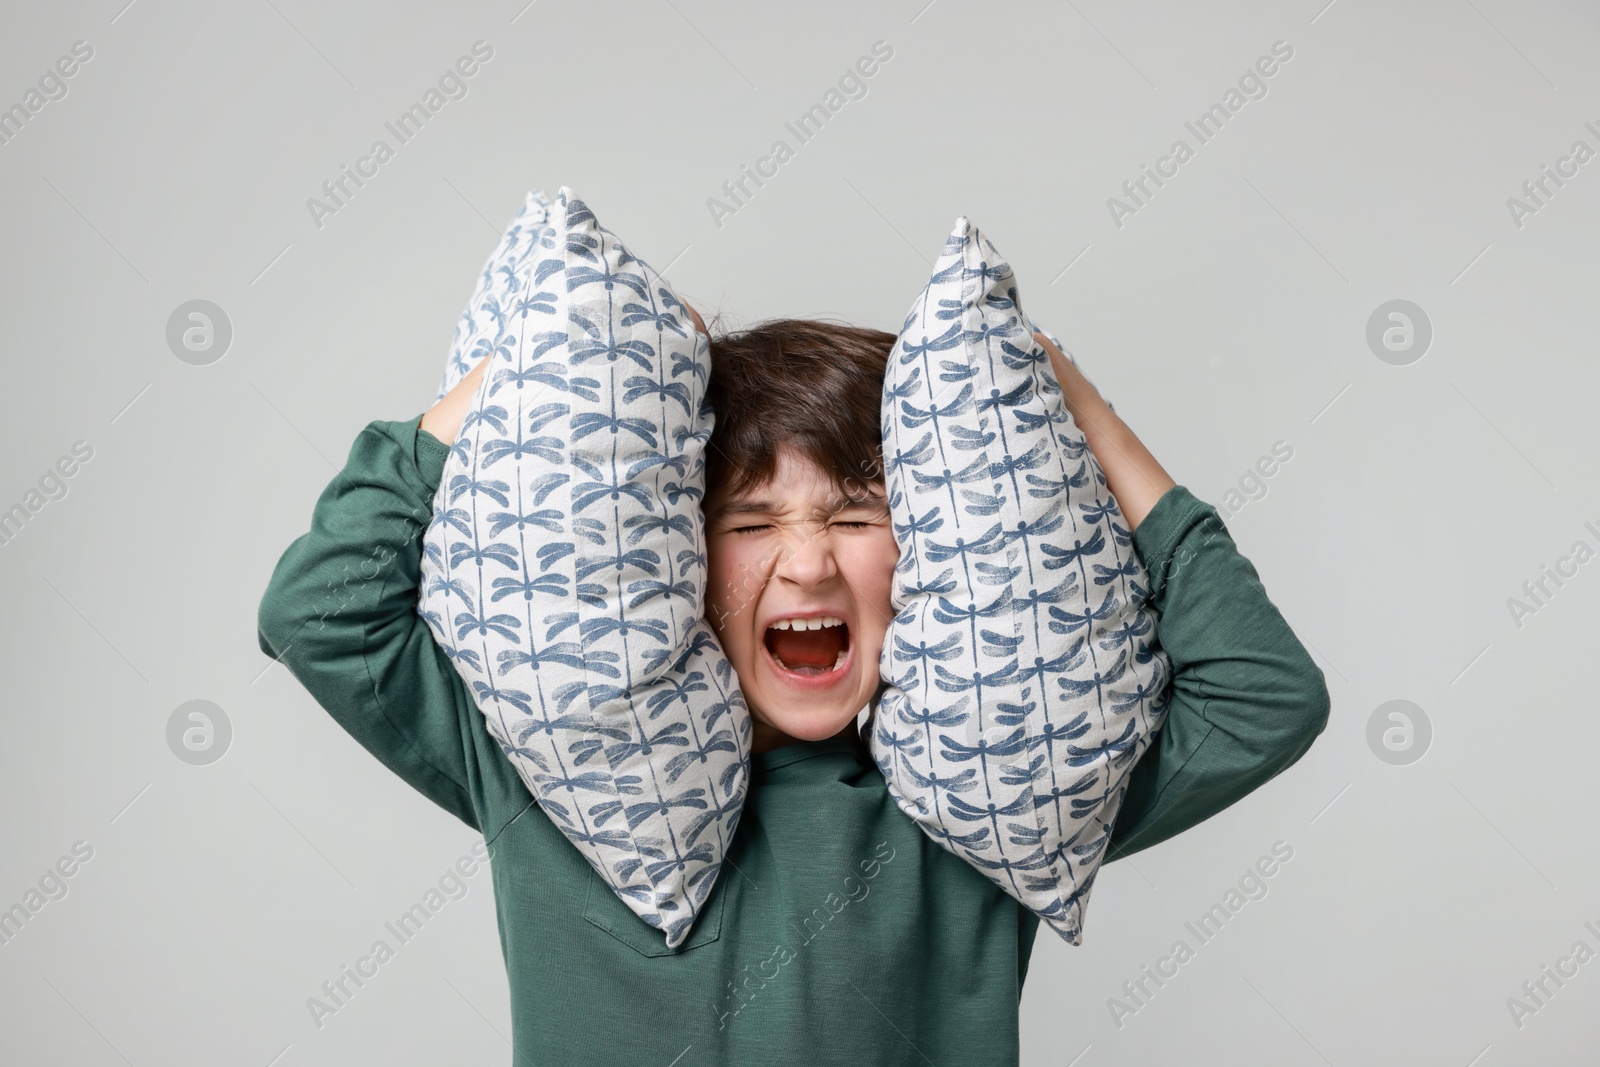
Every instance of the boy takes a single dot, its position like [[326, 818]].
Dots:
[[837, 933]]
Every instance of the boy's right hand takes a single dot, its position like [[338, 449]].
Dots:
[[443, 420]]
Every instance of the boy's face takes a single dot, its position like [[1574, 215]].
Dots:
[[799, 596]]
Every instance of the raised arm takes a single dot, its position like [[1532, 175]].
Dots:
[[1246, 700], [340, 612]]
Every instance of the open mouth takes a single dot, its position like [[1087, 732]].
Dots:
[[813, 648]]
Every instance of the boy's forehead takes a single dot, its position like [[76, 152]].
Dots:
[[798, 485]]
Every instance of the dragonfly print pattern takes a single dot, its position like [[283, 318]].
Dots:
[[1024, 675], [564, 568]]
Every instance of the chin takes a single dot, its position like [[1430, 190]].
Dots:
[[805, 724]]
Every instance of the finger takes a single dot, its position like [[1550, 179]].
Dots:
[[699, 324], [1071, 380]]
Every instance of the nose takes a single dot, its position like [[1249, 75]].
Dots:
[[806, 558]]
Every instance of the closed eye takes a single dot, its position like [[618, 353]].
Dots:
[[761, 527]]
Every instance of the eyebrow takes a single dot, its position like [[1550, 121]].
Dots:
[[771, 507]]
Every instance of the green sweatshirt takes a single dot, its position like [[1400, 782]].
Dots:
[[837, 932]]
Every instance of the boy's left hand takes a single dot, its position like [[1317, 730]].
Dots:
[[1133, 475]]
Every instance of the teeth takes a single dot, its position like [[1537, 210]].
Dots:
[[808, 624]]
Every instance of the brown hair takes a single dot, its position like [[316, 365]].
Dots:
[[809, 386]]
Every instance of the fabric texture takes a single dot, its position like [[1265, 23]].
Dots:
[[1024, 675], [486, 323], [564, 566]]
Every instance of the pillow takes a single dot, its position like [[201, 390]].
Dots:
[[564, 568], [1024, 680], [488, 315]]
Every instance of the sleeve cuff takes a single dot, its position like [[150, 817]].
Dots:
[[430, 453], [1157, 538]]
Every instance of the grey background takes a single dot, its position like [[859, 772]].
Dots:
[[1228, 314]]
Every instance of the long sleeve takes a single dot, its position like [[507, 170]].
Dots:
[[340, 613], [1247, 699]]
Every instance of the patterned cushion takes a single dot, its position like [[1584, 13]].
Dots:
[[1024, 677], [485, 323], [564, 569]]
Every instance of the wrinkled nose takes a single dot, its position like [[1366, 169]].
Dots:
[[806, 558]]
